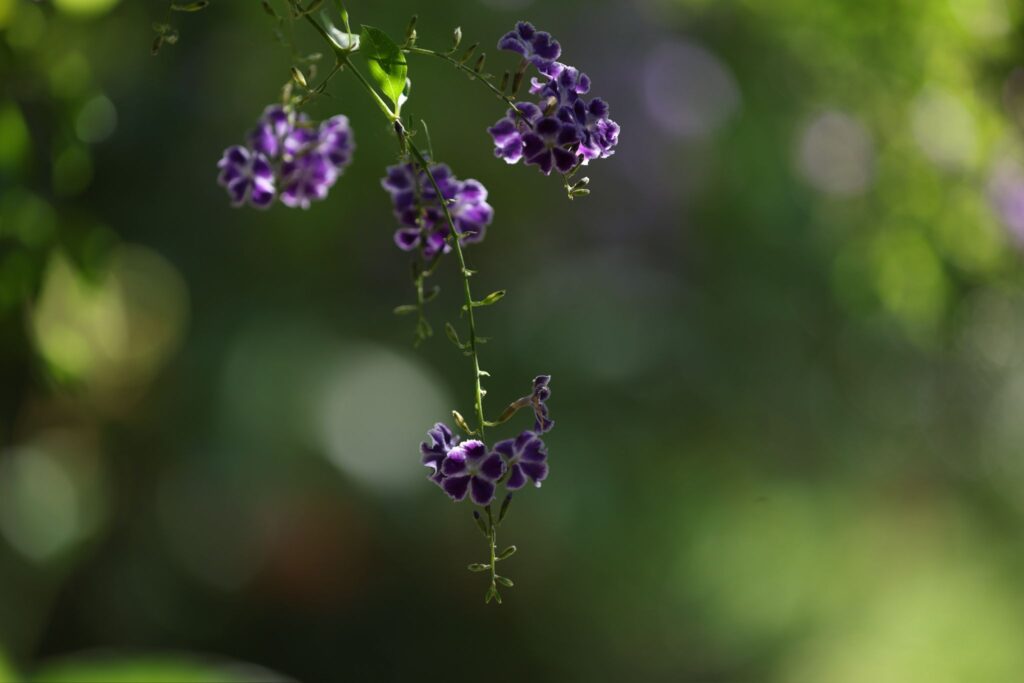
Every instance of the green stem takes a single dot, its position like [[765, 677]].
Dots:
[[403, 140], [467, 69], [492, 539], [478, 394], [343, 59], [405, 144], [392, 117]]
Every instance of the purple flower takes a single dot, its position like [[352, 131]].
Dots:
[[289, 151], [551, 144], [435, 449], [561, 131], [471, 213], [469, 467], [562, 85], [538, 399], [335, 141], [599, 134], [419, 210], [536, 46], [508, 132], [248, 176], [526, 458], [274, 126], [306, 178]]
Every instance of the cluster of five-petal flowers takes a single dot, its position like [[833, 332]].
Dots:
[[469, 468], [420, 214], [562, 130], [287, 157]]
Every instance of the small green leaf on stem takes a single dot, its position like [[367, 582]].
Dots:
[[460, 422], [387, 63], [504, 581], [299, 77], [507, 553], [489, 300], [430, 144], [480, 523], [456, 38], [453, 336], [468, 53], [477, 567], [501, 517], [405, 309]]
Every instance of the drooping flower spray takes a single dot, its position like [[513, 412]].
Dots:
[[289, 158]]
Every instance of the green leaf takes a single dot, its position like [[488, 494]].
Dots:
[[387, 63], [405, 309], [343, 40], [477, 567], [504, 581], [507, 552], [453, 336], [489, 300]]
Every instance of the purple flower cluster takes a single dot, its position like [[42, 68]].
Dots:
[[562, 129], [288, 157], [421, 216], [469, 468]]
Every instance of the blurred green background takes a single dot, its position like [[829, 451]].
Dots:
[[786, 334]]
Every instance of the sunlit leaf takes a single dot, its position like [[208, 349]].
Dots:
[[387, 63]]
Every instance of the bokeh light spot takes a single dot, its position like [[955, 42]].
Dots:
[[113, 333], [97, 120], [1006, 192], [85, 8], [72, 170], [836, 154], [6, 14], [14, 133], [982, 18], [27, 26], [909, 277], [50, 495], [70, 75], [375, 406], [944, 128], [689, 92]]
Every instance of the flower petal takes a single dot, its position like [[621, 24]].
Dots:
[[482, 491], [456, 487]]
